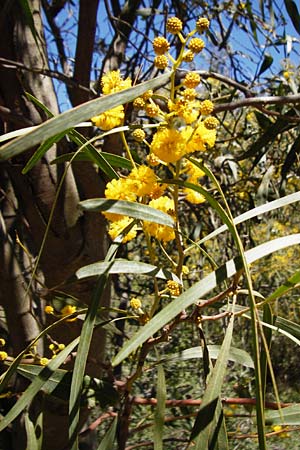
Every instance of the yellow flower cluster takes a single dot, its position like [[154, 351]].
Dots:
[[186, 127], [112, 82]]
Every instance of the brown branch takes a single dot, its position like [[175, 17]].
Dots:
[[10, 64], [258, 102], [191, 402]]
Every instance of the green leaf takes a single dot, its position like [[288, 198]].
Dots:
[[210, 410], [37, 384], [109, 438], [43, 148], [293, 12], [159, 416], [290, 414], [71, 118], [125, 266], [265, 65], [236, 355], [83, 350], [131, 209], [199, 290], [270, 206], [113, 160], [32, 442]]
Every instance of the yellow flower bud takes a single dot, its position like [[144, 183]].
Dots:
[[161, 62], [202, 24], [196, 45], [160, 45], [174, 25]]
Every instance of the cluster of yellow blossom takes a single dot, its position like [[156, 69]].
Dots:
[[186, 126], [112, 82]]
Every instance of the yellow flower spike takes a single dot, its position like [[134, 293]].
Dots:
[[49, 309], [191, 80], [202, 25], [206, 107], [196, 45], [2, 342], [174, 25], [3, 356], [109, 119], [174, 288], [43, 361], [160, 45], [211, 123], [161, 62], [188, 56]]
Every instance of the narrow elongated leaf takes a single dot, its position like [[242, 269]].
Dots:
[[236, 355], [109, 438], [203, 430], [32, 442], [124, 266], [131, 209], [199, 290], [293, 12], [44, 147], [36, 385], [265, 65], [76, 115], [275, 204], [113, 160], [159, 416], [291, 415]]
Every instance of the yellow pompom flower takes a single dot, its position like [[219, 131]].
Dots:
[[161, 232], [194, 196], [191, 80], [109, 119], [160, 45], [192, 171], [118, 189], [199, 139], [3, 356], [196, 45], [189, 94], [135, 303], [68, 309], [161, 62], [174, 25], [113, 82], [211, 123], [49, 309], [43, 361], [206, 107], [139, 103], [188, 56], [168, 145], [2, 342], [202, 25], [152, 110], [116, 228], [187, 110], [139, 134], [143, 180], [174, 288]]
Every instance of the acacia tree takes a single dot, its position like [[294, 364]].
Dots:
[[38, 223]]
